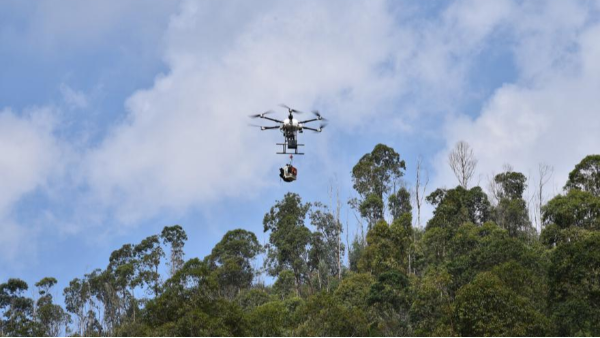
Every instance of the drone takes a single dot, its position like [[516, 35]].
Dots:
[[290, 127]]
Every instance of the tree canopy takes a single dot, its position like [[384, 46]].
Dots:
[[475, 269]]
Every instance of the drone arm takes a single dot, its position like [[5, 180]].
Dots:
[[311, 120], [313, 129], [274, 120], [266, 128]]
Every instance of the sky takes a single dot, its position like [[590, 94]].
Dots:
[[118, 118]]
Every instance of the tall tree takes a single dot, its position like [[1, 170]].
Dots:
[[327, 249], [374, 176], [149, 254], [574, 282], [462, 161], [77, 295], [511, 212], [586, 176], [175, 237], [18, 309], [289, 238], [399, 203], [51, 318], [231, 261], [420, 188], [457, 206]]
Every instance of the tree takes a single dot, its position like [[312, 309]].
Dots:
[[51, 318], [511, 212], [374, 176], [390, 300], [420, 188], [326, 247], [77, 295], [122, 271], [577, 209], [149, 254], [574, 283], [487, 307], [289, 238], [431, 312], [387, 248], [399, 203], [457, 206], [175, 236], [586, 176], [545, 173], [18, 310], [231, 261], [462, 161]]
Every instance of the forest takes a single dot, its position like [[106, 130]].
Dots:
[[488, 262]]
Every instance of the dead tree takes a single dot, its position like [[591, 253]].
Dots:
[[463, 162]]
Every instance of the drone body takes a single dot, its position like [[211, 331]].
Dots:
[[290, 127]]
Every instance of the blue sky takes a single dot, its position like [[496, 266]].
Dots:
[[116, 120]]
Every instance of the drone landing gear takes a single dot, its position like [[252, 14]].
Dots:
[[289, 146]]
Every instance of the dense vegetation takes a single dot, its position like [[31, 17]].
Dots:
[[478, 267]]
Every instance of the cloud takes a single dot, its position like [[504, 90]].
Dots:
[[73, 99], [52, 28], [185, 141], [30, 157], [550, 114]]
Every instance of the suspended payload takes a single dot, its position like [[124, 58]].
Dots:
[[288, 173]]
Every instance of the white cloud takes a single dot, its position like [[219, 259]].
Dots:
[[185, 141], [53, 27], [550, 115], [30, 157]]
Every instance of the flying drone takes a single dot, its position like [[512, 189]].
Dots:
[[290, 127]]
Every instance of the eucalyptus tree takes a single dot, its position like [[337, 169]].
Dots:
[[373, 177], [231, 261], [175, 237], [289, 237]]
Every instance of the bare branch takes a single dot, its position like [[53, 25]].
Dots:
[[463, 162]]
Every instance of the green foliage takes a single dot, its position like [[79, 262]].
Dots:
[[574, 286], [431, 313], [175, 236], [487, 307], [354, 290], [475, 270], [374, 176], [457, 206], [399, 203], [289, 238], [512, 185], [324, 315], [386, 248], [586, 176], [231, 261], [576, 209]]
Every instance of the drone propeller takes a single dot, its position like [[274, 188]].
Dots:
[[291, 110], [261, 115], [323, 125], [318, 115]]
